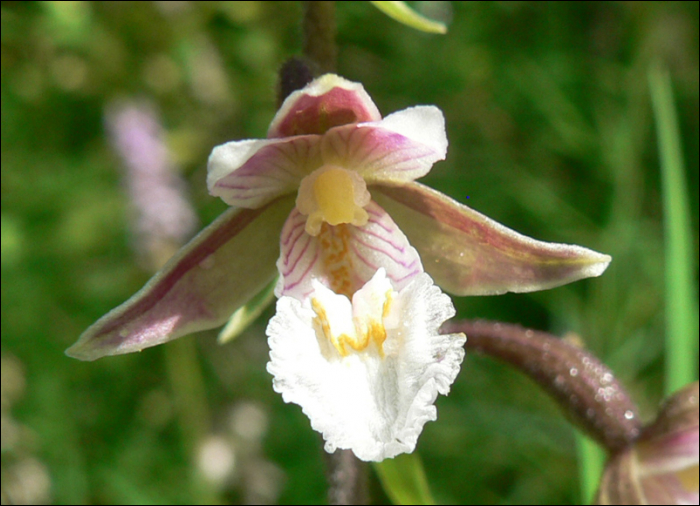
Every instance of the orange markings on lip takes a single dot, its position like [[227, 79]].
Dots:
[[337, 262], [366, 330]]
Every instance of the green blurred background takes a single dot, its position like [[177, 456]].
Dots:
[[551, 133]]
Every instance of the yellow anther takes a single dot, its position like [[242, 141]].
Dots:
[[367, 330], [388, 297]]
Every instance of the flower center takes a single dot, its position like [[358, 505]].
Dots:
[[332, 195], [356, 332]]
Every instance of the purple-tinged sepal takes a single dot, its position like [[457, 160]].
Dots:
[[218, 271], [326, 102], [469, 254]]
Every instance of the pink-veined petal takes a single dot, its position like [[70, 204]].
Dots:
[[344, 257], [400, 148], [470, 254], [224, 266], [326, 102], [252, 173]]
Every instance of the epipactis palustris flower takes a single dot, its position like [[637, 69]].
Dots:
[[355, 339]]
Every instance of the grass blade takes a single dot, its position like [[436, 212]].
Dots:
[[403, 479], [681, 299]]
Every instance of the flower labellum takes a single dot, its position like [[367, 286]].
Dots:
[[355, 339], [366, 372]]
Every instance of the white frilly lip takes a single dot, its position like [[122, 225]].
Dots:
[[374, 405]]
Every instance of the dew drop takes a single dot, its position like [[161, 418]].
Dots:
[[607, 378], [573, 372], [629, 415]]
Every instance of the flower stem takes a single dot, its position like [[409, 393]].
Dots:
[[581, 384], [319, 35], [347, 478]]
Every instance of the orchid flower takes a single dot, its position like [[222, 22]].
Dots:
[[661, 467], [355, 338]]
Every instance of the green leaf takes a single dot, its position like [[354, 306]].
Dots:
[[404, 14], [247, 314], [403, 479], [681, 299], [591, 463]]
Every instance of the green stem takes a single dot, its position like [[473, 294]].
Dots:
[[681, 299], [591, 463], [187, 383]]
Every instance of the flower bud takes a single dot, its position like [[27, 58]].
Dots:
[[662, 466]]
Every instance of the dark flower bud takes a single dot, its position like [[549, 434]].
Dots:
[[662, 466]]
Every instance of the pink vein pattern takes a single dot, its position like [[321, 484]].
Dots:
[[344, 257], [273, 170], [377, 153]]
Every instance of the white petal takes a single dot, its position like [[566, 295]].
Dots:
[[251, 173], [423, 123], [398, 149], [376, 406], [344, 257]]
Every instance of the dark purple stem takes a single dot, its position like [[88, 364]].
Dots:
[[581, 384], [319, 35], [347, 475], [347, 478]]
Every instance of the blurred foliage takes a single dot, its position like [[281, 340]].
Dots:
[[550, 131]]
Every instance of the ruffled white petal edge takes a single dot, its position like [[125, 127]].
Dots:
[[374, 406]]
